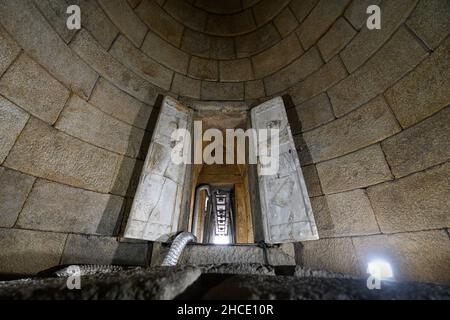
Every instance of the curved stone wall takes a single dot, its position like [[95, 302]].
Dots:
[[369, 110]]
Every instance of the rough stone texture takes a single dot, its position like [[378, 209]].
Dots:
[[421, 146], [125, 19], [221, 48], [397, 57], [335, 39], [369, 124], [256, 41], [56, 207], [45, 152], [277, 56], [12, 121], [231, 25], [265, 10], [320, 20], [293, 73], [285, 22], [82, 120], [124, 51], [281, 255], [25, 252], [33, 89], [186, 13], [302, 8], [186, 86], [431, 21], [421, 93], [312, 180], [196, 43], [356, 12], [344, 214], [417, 202], [165, 53], [44, 45], [203, 69], [360, 169], [335, 255], [235, 70], [328, 75], [81, 249], [241, 268], [13, 193], [9, 50], [222, 90], [367, 42], [127, 175], [204, 254], [254, 90], [310, 114], [419, 256], [85, 46], [120, 105]]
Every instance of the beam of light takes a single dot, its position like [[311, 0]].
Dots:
[[221, 240], [380, 269]]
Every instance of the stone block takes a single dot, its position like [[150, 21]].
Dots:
[[60, 208], [55, 13], [254, 90], [201, 255], [125, 52], [320, 20], [48, 153], [265, 10], [417, 202], [344, 214], [120, 104], [125, 19], [356, 12], [419, 256], [312, 180], [204, 69], [221, 48], [12, 121], [26, 252], [302, 8], [235, 70], [13, 193], [372, 123], [422, 146], [222, 90], [196, 43], [127, 175], [87, 249], [9, 50], [186, 13], [397, 57], [256, 41], [45, 46], [231, 25], [32, 88], [360, 169], [336, 39], [285, 22], [185, 86], [422, 92]]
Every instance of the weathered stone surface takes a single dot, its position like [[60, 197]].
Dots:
[[82, 120], [277, 56], [25, 252], [44, 45], [33, 89], [235, 70], [417, 202], [127, 176], [222, 90], [231, 25], [265, 10], [320, 20], [256, 41], [397, 57], [310, 114], [48, 153], [9, 50], [55, 13], [60, 208], [221, 48], [165, 53], [185, 86], [160, 22], [12, 121], [293, 73], [83, 249], [224, 7], [281, 255], [418, 256], [312, 181], [184, 12], [356, 12], [302, 8], [196, 43], [336, 39], [285, 22], [328, 75], [125, 19], [242, 268], [97, 22], [421, 93], [421, 146], [120, 104], [132, 57], [204, 254], [91, 52], [360, 169], [344, 214], [335, 255], [134, 3], [13, 193], [369, 124], [254, 90], [204, 69], [431, 21], [367, 42]]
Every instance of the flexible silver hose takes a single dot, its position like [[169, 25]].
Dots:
[[177, 247]]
